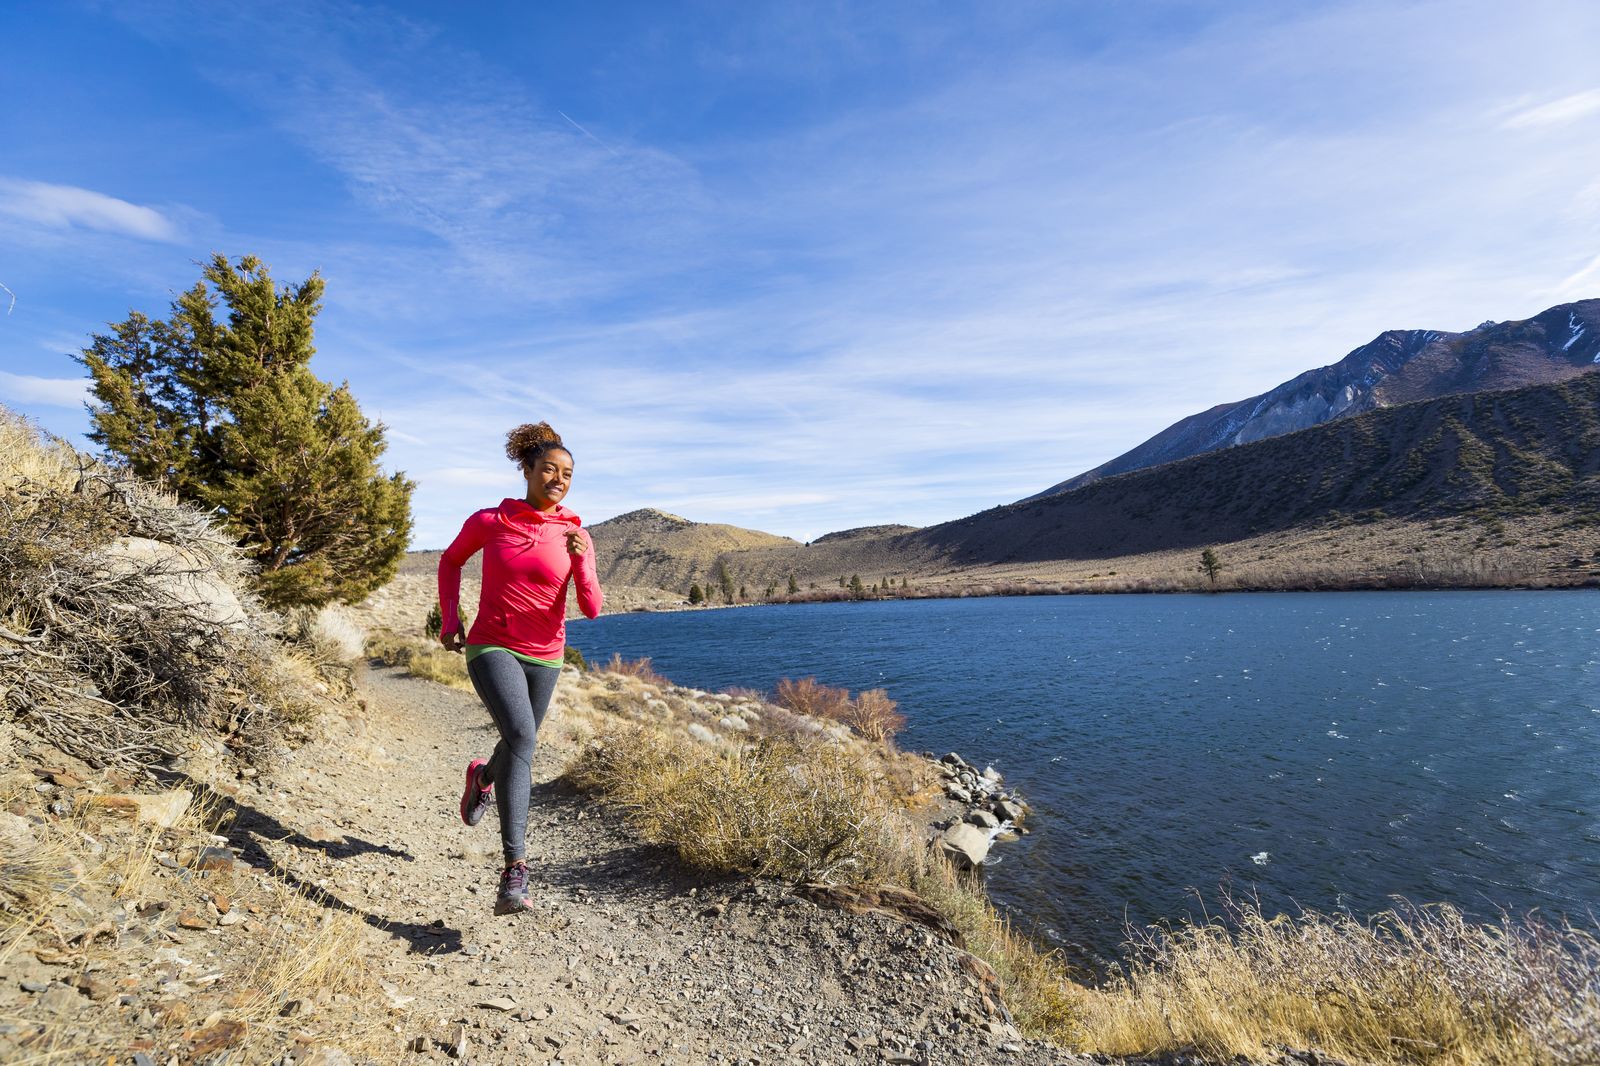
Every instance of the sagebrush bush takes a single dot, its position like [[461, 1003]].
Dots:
[[126, 617]]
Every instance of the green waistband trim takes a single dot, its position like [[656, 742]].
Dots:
[[475, 650]]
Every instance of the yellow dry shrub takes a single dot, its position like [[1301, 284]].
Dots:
[[784, 807], [420, 657]]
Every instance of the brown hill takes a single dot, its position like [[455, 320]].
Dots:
[[653, 548]]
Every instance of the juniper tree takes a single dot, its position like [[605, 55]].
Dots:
[[226, 413], [794, 586], [1210, 565], [695, 595], [725, 581]]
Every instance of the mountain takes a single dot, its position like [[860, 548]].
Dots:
[[1430, 476], [654, 548], [1397, 367], [1487, 455]]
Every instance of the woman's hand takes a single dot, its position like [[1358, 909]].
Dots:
[[453, 641], [577, 542]]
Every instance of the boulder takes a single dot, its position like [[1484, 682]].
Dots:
[[1008, 810], [186, 577], [957, 793], [158, 808], [982, 819], [991, 774], [952, 759], [964, 844]]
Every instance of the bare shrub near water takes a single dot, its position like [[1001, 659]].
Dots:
[[123, 620], [806, 696], [639, 668], [872, 714], [1412, 985]]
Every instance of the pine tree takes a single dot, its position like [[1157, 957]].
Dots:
[[794, 586], [725, 581], [227, 414], [696, 596], [856, 587], [1210, 565]]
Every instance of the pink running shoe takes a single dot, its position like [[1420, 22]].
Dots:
[[475, 800]]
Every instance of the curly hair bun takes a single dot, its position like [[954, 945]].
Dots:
[[529, 439]]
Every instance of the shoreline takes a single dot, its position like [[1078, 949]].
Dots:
[[1589, 582]]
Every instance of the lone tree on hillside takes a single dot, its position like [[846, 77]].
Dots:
[[725, 581], [228, 415], [794, 586], [1210, 565], [695, 595]]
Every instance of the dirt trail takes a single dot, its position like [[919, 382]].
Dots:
[[628, 958]]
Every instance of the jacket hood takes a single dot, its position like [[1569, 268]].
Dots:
[[521, 512]]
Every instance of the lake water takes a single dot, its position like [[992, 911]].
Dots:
[[1325, 750]]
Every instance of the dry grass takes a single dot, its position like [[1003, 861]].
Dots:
[[420, 657], [782, 807], [333, 631], [1043, 998], [1413, 985], [29, 456]]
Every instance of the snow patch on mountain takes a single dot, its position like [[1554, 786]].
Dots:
[[1577, 331]]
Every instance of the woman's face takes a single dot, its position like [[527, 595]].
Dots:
[[549, 476]]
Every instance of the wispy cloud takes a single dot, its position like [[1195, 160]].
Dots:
[[1561, 112], [806, 273], [69, 207], [49, 392]]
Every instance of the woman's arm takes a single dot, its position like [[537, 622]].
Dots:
[[584, 576], [473, 533]]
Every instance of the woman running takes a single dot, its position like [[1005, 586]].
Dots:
[[532, 549]]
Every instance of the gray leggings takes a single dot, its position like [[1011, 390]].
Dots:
[[517, 694]]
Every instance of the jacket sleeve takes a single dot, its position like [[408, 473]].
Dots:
[[473, 533], [587, 580]]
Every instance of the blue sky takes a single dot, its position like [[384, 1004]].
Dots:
[[798, 267]]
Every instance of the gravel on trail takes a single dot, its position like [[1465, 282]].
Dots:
[[627, 957]]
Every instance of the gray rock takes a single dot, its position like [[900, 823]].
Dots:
[[35, 986], [957, 793], [982, 819], [966, 845], [1008, 810]]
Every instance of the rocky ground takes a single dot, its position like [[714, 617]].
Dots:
[[628, 958]]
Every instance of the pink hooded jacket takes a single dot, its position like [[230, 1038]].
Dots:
[[526, 570]]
